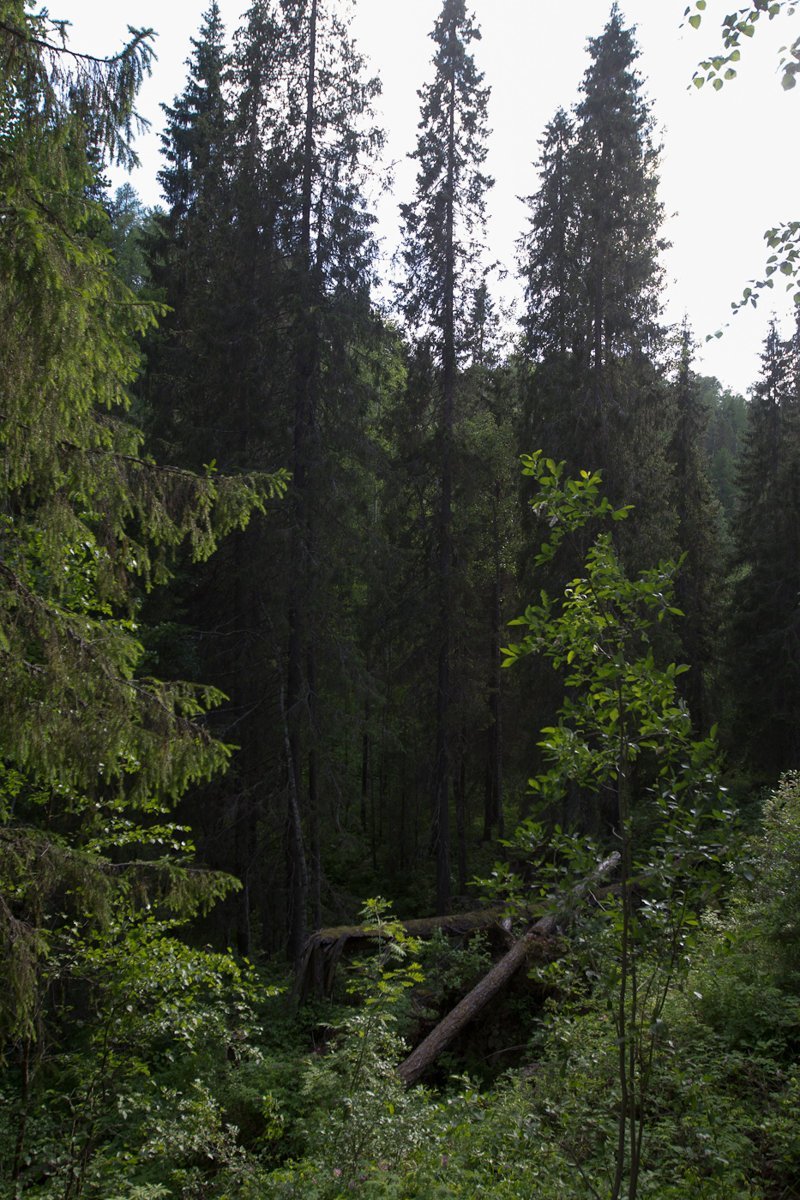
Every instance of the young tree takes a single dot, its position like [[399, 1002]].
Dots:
[[441, 248], [624, 736]]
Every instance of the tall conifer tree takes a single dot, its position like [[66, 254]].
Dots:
[[288, 264], [93, 749], [188, 253], [593, 280], [764, 647], [700, 537], [441, 246], [550, 251]]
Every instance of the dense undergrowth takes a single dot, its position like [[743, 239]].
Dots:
[[221, 1089]]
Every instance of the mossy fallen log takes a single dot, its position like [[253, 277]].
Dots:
[[324, 948]]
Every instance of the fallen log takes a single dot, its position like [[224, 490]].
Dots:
[[543, 931], [324, 948]]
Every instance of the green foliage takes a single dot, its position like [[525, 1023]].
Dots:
[[112, 1090], [727, 419], [265, 254], [95, 877], [782, 240], [624, 739], [137, 1066], [441, 251], [444, 223], [748, 986], [743, 23], [450, 968], [360, 1121]]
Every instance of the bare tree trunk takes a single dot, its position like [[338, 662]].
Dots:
[[365, 766], [302, 534], [441, 771], [461, 817], [493, 804]]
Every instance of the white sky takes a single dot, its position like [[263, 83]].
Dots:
[[729, 168]]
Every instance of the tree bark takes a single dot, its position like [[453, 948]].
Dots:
[[300, 700], [493, 801]]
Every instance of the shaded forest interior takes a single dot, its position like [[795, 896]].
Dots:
[[356, 629], [360, 657]]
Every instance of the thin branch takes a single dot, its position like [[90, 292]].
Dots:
[[139, 35]]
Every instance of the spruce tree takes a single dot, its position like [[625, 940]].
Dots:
[[621, 215], [727, 421], [550, 251], [594, 392], [441, 245], [317, 142], [593, 285], [94, 751], [269, 343], [201, 404], [700, 536], [549, 259], [189, 252], [764, 626]]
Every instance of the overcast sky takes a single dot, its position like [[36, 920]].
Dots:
[[729, 168]]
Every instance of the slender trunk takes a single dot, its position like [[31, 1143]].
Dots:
[[308, 139], [313, 792], [301, 586], [403, 835], [365, 766], [493, 803], [461, 817], [441, 778], [598, 316], [296, 867], [373, 831], [636, 1099], [22, 1124], [625, 1027]]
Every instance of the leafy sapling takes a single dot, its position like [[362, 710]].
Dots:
[[624, 740]]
